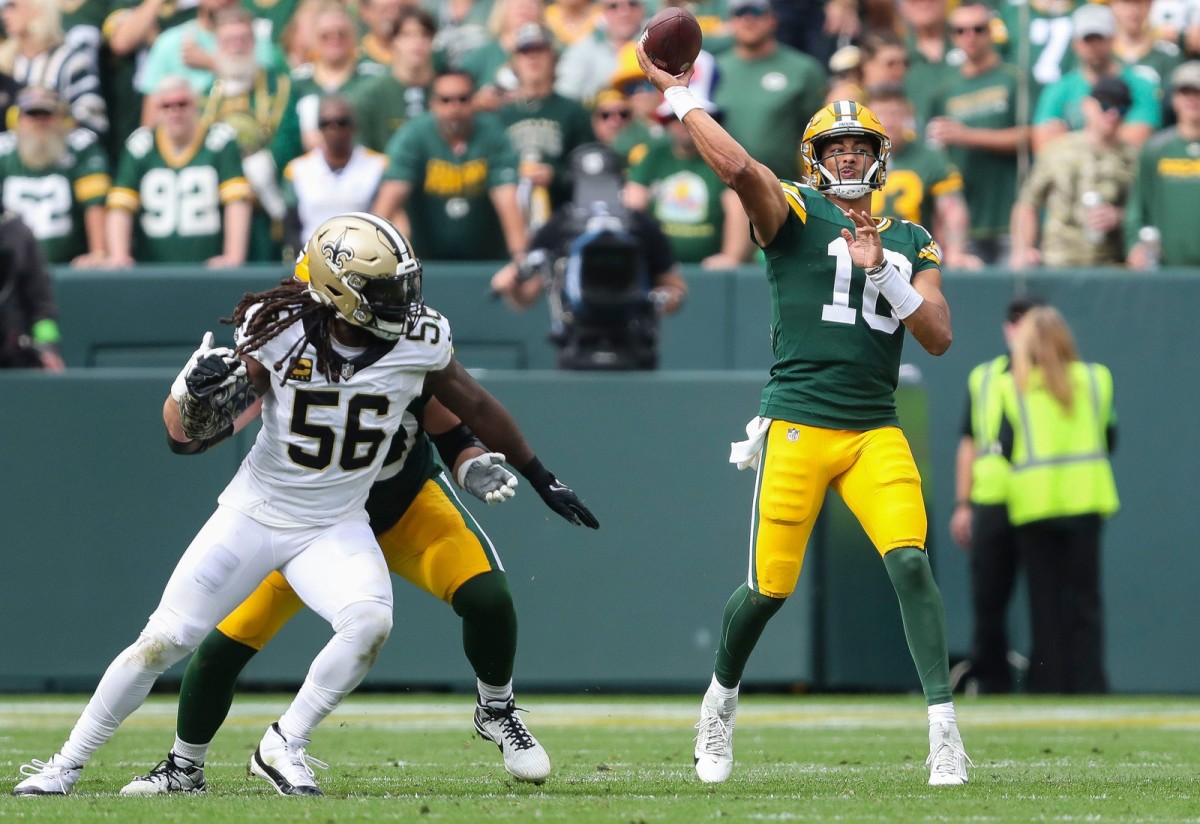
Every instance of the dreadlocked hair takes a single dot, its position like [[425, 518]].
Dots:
[[279, 308]]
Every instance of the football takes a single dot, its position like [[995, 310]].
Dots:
[[672, 40]]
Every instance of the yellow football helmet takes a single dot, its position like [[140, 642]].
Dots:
[[840, 118], [362, 266]]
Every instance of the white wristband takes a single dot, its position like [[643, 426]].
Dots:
[[682, 100], [899, 292]]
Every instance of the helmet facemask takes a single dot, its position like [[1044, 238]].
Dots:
[[839, 120]]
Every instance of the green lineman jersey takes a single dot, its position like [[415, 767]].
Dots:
[[836, 342], [409, 463], [52, 201], [916, 176], [178, 196], [988, 101], [1166, 189], [686, 198], [548, 129], [382, 105], [450, 208]]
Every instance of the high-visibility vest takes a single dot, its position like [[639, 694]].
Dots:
[[990, 471], [1060, 461]]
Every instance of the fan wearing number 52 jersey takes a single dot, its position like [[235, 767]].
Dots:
[[331, 360], [844, 289]]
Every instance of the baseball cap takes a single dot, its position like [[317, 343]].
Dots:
[[1112, 92], [845, 59], [1022, 303], [1093, 18], [1186, 75], [746, 5], [531, 36], [35, 99]]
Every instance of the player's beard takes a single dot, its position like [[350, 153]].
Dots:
[[237, 73], [41, 150]]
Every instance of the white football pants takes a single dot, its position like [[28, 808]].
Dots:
[[337, 570]]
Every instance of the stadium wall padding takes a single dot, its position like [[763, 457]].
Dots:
[[96, 510]]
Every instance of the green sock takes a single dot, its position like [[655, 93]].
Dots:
[[489, 626], [746, 615], [208, 683], [924, 619]]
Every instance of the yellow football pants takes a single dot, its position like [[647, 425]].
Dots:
[[874, 473]]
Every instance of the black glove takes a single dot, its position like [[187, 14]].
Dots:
[[557, 495], [214, 370]]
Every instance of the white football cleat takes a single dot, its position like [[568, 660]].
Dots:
[[168, 777], [948, 759], [524, 758], [54, 777], [714, 738], [285, 764]]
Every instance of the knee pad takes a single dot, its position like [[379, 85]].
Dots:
[[908, 565], [366, 624]]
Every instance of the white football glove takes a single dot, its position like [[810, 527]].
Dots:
[[486, 477]]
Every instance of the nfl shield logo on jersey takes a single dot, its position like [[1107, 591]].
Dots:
[[347, 371], [793, 434]]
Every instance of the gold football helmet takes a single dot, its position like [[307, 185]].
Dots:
[[362, 266], [840, 118]]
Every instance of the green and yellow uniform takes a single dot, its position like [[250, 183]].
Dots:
[[916, 177], [178, 196], [1166, 189], [831, 394], [1043, 30], [52, 201], [686, 198], [271, 17], [450, 206], [307, 93]]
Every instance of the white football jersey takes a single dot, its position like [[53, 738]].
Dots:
[[323, 443]]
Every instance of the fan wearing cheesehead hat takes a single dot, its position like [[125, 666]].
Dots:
[[845, 288]]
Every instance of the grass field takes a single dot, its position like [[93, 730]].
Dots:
[[628, 759]]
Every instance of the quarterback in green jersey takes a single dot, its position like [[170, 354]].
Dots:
[[844, 288]]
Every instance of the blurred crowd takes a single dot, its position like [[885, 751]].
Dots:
[[218, 132]]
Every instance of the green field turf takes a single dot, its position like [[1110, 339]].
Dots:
[[626, 759]]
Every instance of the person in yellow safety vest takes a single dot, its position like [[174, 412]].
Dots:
[[980, 520], [1058, 430]]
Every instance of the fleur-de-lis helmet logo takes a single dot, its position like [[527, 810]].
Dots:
[[336, 251]]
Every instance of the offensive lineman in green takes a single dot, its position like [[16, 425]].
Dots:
[[843, 289]]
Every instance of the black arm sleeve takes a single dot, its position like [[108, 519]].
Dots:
[[198, 446], [451, 443]]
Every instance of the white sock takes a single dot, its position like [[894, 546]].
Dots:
[[498, 695], [939, 713], [723, 693], [194, 754]]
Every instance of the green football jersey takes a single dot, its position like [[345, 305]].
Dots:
[[178, 197], [382, 105], [549, 129], [686, 199], [52, 201], [836, 342], [1165, 192], [450, 207], [411, 461]]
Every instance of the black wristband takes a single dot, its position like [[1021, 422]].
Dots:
[[452, 442], [539, 476]]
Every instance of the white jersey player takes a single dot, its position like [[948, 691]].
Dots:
[[331, 360]]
